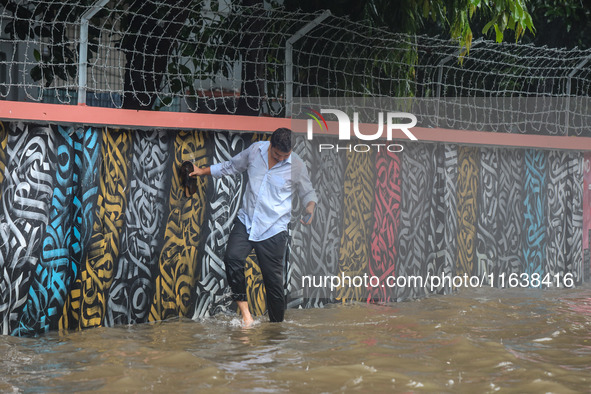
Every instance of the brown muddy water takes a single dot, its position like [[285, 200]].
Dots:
[[476, 340]]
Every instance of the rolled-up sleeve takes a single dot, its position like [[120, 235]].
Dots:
[[235, 165]]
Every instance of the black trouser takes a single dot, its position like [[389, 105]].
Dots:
[[270, 254]]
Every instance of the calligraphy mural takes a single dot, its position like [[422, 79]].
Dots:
[[467, 189], [323, 236], [223, 203], [487, 234], [450, 219], [95, 229], [436, 263], [574, 221], [535, 211], [417, 186], [132, 288], [27, 191], [558, 188], [299, 249], [179, 256], [510, 189], [587, 215], [54, 271], [98, 268], [357, 223], [386, 217], [87, 160]]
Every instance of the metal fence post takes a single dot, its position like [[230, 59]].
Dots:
[[568, 92], [83, 59], [289, 58]]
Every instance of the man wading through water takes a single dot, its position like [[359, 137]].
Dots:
[[274, 172]]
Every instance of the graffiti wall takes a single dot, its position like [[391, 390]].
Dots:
[[95, 229]]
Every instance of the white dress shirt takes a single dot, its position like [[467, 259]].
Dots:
[[267, 201]]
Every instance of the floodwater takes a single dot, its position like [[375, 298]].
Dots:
[[476, 340]]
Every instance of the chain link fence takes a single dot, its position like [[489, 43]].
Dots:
[[214, 57]]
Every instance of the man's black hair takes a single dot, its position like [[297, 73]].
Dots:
[[281, 139]]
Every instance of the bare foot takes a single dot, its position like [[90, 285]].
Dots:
[[247, 322], [247, 319]]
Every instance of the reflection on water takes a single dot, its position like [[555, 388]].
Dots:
[[475, 340]]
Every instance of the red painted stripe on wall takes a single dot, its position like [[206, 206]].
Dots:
[[97, 116]]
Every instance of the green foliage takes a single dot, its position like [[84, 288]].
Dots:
[[456, 17], [505, 14]]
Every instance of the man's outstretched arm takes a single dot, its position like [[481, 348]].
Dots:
[[235, 165]]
